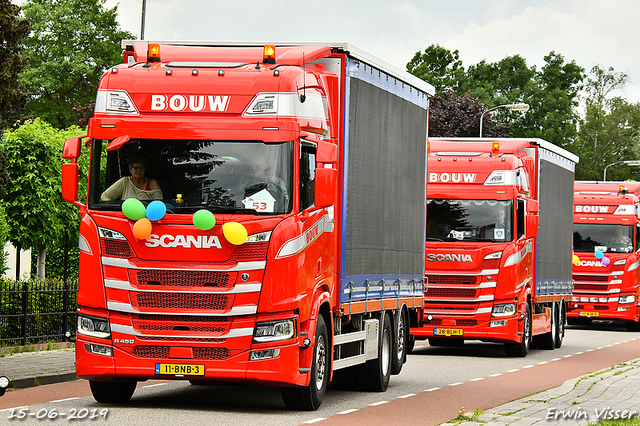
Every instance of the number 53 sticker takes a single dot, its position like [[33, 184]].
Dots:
[[261, 201]]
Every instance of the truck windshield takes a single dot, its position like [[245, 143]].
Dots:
[[606, 238], [221, 176], [469, 220]]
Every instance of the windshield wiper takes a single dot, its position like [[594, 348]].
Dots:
[[435, 239]]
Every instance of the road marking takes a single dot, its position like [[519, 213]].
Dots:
[[567, 356], [476, 380], [513, 371], [543, 362], [375, 404], [578, 353], [496, 375], [348, 411], [555, 359], [455, 384], [528, 366], [407, 396], [590, 350], [431, 390], [66, 399]]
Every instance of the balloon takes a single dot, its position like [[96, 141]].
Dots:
[[133, 209], [204, 219], [234, 232], [576, 259], [156, 210], [606, 261], [142, 229], [599, 254]]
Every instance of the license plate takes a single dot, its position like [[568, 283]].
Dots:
[[180, 369], [589, 314], [447, 332]]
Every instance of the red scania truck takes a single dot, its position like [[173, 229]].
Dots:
[[606, 281], [498, 243], [286, 237]]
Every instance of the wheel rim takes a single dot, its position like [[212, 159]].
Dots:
[[386, 351], [561, 322], [401, 338], [527, 331], [321, 362]]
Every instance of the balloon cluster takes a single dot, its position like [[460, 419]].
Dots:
[[576, 259], [604, 259], [203, 219]]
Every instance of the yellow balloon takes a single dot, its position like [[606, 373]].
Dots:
[[142, 228], [576, 259], [235, 233]]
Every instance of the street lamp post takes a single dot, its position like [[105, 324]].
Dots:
[[627, 162], [513, 107]]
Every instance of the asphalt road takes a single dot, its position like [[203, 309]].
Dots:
[[435, 383]]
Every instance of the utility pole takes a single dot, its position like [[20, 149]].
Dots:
[[144, 12]]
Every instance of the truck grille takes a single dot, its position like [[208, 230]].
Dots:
[[460, 293], [466, 322], [490, 264], [250, 252], [592, 278], [182, 278], [163, 352], [447, 308], [452, 279], [182, 323], [590, 287], [115, 248], [181, 300]]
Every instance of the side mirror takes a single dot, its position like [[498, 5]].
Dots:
[[72, 147], [70, 182], [325, 187], [532, 226], [326, 152], [533, 206]]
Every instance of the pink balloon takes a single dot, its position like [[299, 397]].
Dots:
[[606, 261]]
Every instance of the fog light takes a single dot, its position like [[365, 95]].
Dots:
[[498, 323], [98, 349], [625, 308], [267, 354]]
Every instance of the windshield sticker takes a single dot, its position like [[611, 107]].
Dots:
[[498, 234], [261, 201], [600, 248], [456, 235]]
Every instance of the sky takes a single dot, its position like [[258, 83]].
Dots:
[[589, 32]]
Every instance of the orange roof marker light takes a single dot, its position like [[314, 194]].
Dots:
[[153, 53], [269, 54], [495, 148]]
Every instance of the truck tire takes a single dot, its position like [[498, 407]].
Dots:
[[521, 349], [633, 326], [399, 346], [112, 392], [562, 322], [548, 340], [309, 398], [411, 343], [374, 375]]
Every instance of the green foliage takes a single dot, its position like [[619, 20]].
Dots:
[[13, 30], [72, 43], [440, 67], [35, 212]]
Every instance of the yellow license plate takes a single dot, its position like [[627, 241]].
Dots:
[[589, 314], [180, 369], [447, 332]]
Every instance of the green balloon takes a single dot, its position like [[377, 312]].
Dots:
[[134, 209], [204, 219]]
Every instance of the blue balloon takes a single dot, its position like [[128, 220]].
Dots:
[[156, 210], [599, 254]]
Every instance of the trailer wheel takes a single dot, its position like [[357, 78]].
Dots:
[[521, 349], [112, 392], [309, 398], [374, 375], [562, 321], [548, 340], [399, 346]]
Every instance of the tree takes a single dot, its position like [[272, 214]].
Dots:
[[72, 43], [451, 115], [439, 67], [13, 30], [610, 129], [35, 212]]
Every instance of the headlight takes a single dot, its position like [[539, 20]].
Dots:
[[275, 330], [108, 233], [627, 299], [503, 310], [94, 327]]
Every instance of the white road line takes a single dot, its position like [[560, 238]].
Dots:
[[528, 366], [496, 375], [567, 356], [477, 380], [456, 384], [66, 399], [378, 403], [407, 396], [555, 359], [513, 371], [543, 362], [319, 419], [348, 411], [578, 353], [431, 390]]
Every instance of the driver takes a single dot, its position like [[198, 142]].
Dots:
[[620, 238], [258, 174]]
